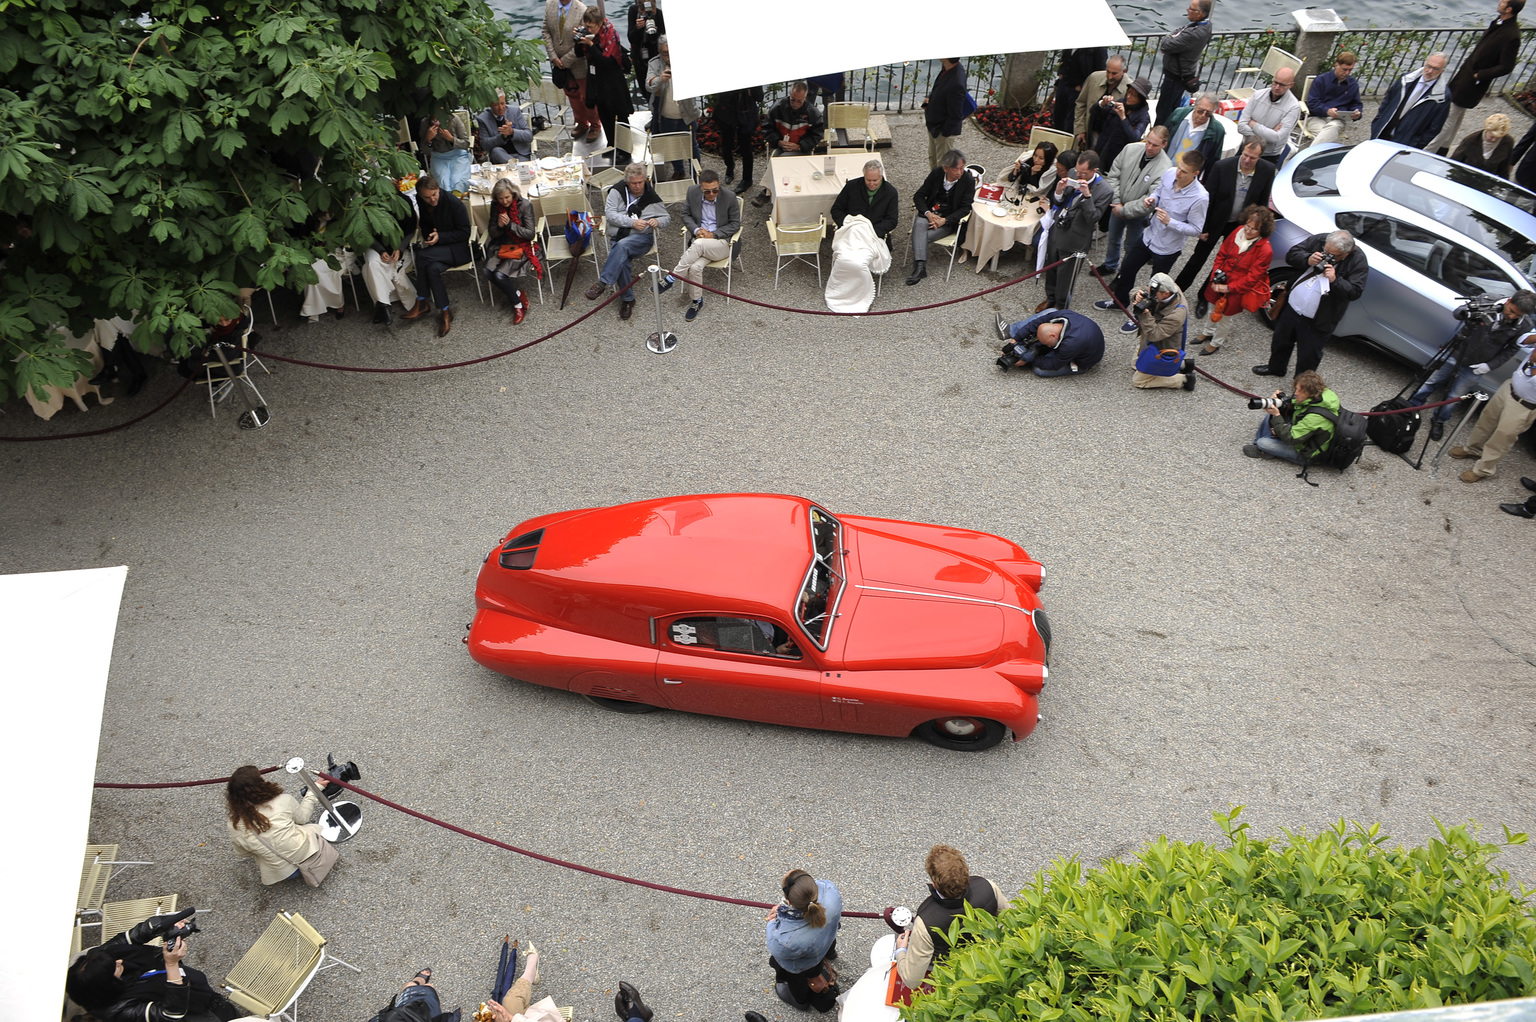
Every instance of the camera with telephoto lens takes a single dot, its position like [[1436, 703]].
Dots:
[[1282, 407], [1480, 309]]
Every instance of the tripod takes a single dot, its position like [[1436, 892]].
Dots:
[[1422, 377]]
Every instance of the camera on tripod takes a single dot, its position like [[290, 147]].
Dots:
[[1484, 309]]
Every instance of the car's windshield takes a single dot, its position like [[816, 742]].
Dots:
[[816, 605], [1428, 185], [1319, 174]]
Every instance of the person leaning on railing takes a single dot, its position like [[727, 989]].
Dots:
[[1181, 50]]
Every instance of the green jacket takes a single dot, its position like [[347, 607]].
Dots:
[[1304, 424]]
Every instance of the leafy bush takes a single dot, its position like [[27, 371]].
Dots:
[[1308, 927]]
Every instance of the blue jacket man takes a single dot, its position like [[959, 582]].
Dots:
[[1415, 107], [1056, 342]]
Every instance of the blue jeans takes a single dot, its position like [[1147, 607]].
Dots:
[[1465, 383], [427, 995], [616, 267], [1272, 445], [1121, 232]]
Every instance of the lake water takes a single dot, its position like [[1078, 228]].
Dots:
[[1230, 15]]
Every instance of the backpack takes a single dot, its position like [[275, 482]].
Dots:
[[1349, 436], [1393, 433]]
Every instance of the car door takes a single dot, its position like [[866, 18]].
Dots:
[[1405, 291], [732, 666]]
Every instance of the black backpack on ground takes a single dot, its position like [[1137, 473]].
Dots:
[[1349, 436], [1393, 433]]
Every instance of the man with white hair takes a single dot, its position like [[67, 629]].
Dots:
[[503, 132], [1197, 127], [1415, 107], [1333, 274]]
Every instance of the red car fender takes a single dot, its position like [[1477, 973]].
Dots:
[[896, 702], [552, 657]]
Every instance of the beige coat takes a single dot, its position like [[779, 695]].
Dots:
[[563, 44], [1094, 89], [289, 841]]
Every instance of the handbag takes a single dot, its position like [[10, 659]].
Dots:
[[559, 76], [824, 980], [314, 869]]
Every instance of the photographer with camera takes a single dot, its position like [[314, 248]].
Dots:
[[1490, 332], [1057, 342], [1239, 281], [1291, 430], [1333, 274], [1510, 412], [129, 980], [1162, 318]]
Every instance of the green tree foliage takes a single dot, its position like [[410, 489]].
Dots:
[[1257, 931], [154, 145]]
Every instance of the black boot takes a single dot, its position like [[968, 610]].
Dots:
[[381, 314], [627, 1003], [919, 271], [109, 366]]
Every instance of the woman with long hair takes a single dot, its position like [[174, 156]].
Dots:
[[509, 246], [271, 826], [607, 70], [802, 940], [1242, 267], [1031, 172]]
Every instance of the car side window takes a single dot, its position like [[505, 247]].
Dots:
[[1463, 271], [733, 635]]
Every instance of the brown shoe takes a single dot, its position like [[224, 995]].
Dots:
[[1462, 452], [626, 309], [418, 311], [445, 324], [1470, 476], [596, 291], [1043, 305]]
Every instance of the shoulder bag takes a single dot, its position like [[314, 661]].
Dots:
[[314, 869]]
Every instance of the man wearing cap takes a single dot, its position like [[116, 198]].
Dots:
[[1271, 116], [1508, 413], [1164, 327], [1125, 121]]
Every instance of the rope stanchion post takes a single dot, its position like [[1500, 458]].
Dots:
[[344, 824], [1074, 266], [663, 340], [1481, 399]]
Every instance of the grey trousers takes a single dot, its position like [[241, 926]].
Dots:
[[922, 234]]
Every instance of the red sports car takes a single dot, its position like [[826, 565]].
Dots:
[[766, 607]]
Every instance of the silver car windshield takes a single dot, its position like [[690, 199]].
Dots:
[[816, 606], [1443, 191], [1318, 174]]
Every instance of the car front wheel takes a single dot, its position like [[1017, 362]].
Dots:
[[623, 705], [1279, 275], [962, 734]]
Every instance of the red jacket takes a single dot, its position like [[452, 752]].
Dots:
[[1247, 273]]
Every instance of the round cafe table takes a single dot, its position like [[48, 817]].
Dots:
[[993, 230]]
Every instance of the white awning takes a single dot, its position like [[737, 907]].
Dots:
[[56, 629], [717, 47]]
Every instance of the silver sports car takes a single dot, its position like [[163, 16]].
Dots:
[[1434, 231]]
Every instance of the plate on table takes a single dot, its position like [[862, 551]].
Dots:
[[550, 162]]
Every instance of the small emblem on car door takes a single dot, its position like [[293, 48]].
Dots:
[[684, 634]]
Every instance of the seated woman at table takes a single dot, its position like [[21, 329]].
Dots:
[[1031, 172], [448, 139], [509, 245]]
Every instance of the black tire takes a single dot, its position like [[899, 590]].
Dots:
[[1287, 274], [622, 705], [947, 733]]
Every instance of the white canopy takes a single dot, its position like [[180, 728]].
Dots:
[[56, 629], [717, 47]]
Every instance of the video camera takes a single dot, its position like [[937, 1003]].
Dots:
[[1484, 309], [1014, 352]]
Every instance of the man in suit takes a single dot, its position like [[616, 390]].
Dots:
[[568, 71], [1076, 66], [1076, 205], [1233, 184], [503, 132], [712, 216], [1416, 105], [944, 109], [1101, 90], [1198, 127], [444, 242], [1181, 51], [872, 197], [942, 202], [1493, 57]]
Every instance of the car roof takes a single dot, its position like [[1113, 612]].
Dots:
[[734, 553]]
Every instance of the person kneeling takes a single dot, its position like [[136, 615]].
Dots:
[[1162, 321], [1290, 429], [1057, 342]]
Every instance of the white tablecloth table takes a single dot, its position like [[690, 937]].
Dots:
[[481, 183], [799, 195], [993, 231]]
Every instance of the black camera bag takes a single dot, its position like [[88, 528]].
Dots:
[[1349, 436], [1393, 433]]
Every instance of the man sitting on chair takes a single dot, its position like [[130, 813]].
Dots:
[[712, 216], [942, 202], [503, 132], [444, 244], [794, 127], [870, 196], [632, 214]]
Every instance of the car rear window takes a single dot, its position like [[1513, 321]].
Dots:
[[1318, 174]]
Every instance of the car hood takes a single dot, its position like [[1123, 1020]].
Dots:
[[905, 563], [893, 630]]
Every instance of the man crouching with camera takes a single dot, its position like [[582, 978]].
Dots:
[[1056, 342], [1291, 430], [1162, 322]]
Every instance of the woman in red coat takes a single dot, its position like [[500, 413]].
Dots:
[[1243, 261]]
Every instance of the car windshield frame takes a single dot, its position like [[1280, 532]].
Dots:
[[1396, 182], [825, 580]]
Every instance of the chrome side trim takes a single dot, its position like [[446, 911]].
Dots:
[[952, 596]]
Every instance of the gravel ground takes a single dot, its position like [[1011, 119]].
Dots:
[[1225, 634]]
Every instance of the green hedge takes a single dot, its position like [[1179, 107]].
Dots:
[[1305, 927]]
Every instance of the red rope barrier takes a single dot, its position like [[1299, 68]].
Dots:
[[176, 784], [98, 432]]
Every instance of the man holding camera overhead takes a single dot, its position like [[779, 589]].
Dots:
[[1333, 274], [1291, 430]]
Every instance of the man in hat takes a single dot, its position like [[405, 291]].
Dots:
[[1163, 324]]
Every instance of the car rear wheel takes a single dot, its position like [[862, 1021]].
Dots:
[[962, 734], [1279, 275], [623, 705]]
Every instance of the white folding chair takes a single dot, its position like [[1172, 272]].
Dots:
[[952, 242], [625, 139], [1274, 61], [797, 243], [722, 264], [1301, 137], [668, 148], [555, 206], [221, 382], [555, 101], [1062, 140], [268, 979]]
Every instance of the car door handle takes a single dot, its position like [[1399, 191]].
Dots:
[[671, 681]]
